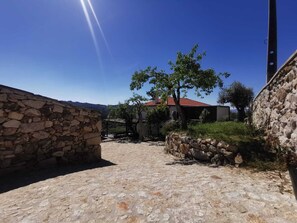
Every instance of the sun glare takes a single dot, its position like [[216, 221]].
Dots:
[[84, 4], [91, 28], [99, 26]]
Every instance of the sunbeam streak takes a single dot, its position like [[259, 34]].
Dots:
[[99, 26], [95, 43], [91, 29]]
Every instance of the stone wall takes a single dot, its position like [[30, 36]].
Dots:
[[206, 150], [35, 128], [275, 107]]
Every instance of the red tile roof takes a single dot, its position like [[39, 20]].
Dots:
[[183, 102]]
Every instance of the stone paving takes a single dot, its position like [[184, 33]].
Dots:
[[142, 188]]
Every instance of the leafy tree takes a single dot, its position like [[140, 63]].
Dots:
[[186, 74], [130, 109], [239, 96], [124, 111], [137, 102]]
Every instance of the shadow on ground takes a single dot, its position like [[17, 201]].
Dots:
[[23, 178]]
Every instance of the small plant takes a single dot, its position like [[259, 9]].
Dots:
[[170, 126]]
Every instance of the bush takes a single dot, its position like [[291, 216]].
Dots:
[[170, 126]]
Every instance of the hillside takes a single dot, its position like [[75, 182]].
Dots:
[[102, 108]]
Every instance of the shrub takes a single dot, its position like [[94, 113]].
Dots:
[[170, 126]]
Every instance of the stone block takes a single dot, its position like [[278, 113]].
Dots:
[[3, 97], [12, 124], [212, 148], [32, 112], [9, 131], [93, 141], [74, 122], [184, 148], [36, 119], [99, 126], [238, 160], [48, 124], [41, 135], [15, 116], [214, 142], [32, 127], [83, 113], [17, 97], [34, 104], [88, 129], [58, 109], [200, 155], [91, 135]]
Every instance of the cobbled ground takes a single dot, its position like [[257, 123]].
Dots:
[[142, 187]]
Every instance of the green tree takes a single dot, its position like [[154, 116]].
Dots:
[[124, 111], [186, 74], [137, 102], [129, 110], [239, 96]]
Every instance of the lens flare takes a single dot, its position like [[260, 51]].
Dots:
[[91, 29], [99, 26]]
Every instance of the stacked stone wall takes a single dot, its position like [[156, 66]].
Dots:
[[35, 128], [275, 107], [206, 150]]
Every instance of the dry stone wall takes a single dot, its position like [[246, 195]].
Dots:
[[275, 107], [35, 128], [206, 150]]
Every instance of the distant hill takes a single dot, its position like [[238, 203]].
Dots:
[[102, 108]]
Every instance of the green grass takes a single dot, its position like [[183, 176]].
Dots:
[[231, 132], [250, 143]]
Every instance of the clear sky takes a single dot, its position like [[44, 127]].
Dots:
[[46, 46]]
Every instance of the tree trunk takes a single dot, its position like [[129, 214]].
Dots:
[[182, 116], [180, 111], [241, 114], [140, 126]]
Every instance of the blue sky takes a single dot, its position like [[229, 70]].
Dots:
[[46, 46]]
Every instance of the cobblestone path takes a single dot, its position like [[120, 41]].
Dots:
[[140, 187]]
